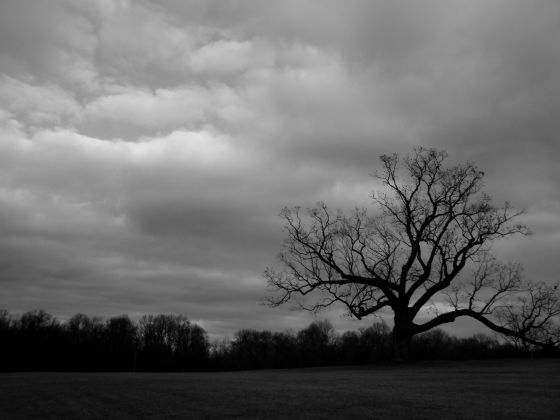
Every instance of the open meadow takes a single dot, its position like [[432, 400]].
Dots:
[[504, 389]]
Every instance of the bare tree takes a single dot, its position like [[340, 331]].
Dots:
[[424, 253]]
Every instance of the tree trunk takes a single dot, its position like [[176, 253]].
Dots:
[[402, 336]]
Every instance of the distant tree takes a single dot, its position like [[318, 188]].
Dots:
[[85, 342], [80, 324], [39, 335], [156, 336], [7, 341], [314, 343], [478, 346], [285, 350], [121, 343], [5, 320], [427, 246], [37, 320], [348, 346], [198, 349], [171, 342], [375, 342], [252, 349], [433, 344]]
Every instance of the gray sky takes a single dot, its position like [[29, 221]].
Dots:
[[147, 147]]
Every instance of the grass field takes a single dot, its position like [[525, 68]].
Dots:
[[508, 389]]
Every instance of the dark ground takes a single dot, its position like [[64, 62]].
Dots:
[[505, 389]]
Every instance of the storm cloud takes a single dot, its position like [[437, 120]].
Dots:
[[147, 147]]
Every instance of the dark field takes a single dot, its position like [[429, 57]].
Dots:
[[510, 389]]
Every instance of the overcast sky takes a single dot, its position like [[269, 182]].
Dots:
[[147, 147]]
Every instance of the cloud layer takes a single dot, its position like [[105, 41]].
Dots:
[[147, 147]]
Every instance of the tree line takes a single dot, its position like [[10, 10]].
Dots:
[[38, 341]]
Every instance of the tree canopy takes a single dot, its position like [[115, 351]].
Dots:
[[424, 251]]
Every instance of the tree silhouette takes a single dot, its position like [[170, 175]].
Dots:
[[427, 246], [121, 343], [314, 343], [171, 342]]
